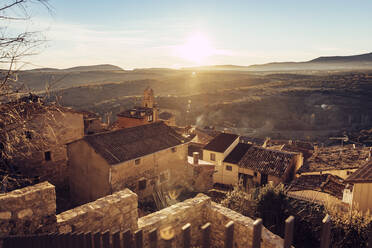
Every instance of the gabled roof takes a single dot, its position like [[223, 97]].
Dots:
[[266, 161], [326, 183], [130, 143], [362, 175], [237, 154], [221, 142]]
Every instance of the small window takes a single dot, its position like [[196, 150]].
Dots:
[[255, 174], [149, 118], [47, 156], [28, 135], [174, 149], [349, 172], [213, 157], [142, 184], [228, 167], [137, 161]]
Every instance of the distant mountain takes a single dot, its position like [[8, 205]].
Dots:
[[354, 62], [367, 57], [44, 70], [104, 67]]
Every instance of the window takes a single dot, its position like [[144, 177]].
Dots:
[[137, 161], [149, 118], [228, 167], [213, 157], [255, 174], [47, 156], [349, 173], [28, 135], [174, 149], [142, 184]]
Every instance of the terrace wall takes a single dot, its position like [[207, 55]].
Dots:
[[113, 212], [29, 210]]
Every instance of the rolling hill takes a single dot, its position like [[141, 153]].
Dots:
[[354, 62], [333, 63]]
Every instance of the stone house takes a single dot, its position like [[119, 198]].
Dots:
[[259, 165], [42, 150], [217, 150], [140, 158], [362, 189], [140, 115]]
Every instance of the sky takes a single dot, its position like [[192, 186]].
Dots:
[[171, 33]]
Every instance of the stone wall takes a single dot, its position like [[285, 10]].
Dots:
[[32, 210], [192, 211], [113, 212], [219, 216], [165, 169], [50, 131], [198, 211], [28, 210]]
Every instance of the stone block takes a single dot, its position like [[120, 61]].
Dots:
[[24, 213], [5, 215]]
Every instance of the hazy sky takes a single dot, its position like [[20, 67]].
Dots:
[[171, 33]]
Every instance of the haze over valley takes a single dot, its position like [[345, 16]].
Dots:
[[309, 102]]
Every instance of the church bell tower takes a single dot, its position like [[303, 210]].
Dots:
[[148, 98]]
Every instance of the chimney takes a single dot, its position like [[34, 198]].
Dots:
[[195, 155]]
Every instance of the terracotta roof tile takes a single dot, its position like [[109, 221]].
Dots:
[[326, 183], [335, 158], [130, 143], [362, 175], [267, 161]]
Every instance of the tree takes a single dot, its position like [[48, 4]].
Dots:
[[14, 46]]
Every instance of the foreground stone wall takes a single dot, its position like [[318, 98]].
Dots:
[[219, 216], [113, 212], [192, 211], [32, 210], [28, 210]]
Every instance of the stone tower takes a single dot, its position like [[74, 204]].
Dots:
[[148, 98]]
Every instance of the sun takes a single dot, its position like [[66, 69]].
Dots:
[[196, 49]]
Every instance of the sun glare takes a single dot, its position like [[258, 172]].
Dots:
[[196, 49]]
